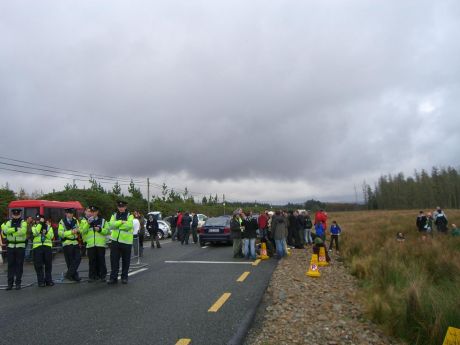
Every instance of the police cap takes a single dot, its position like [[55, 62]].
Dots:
[[69, 210], [16, 211], [121, 203]]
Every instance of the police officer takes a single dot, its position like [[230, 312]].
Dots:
[[15, 231], [43, 234], [95, 233], [121, 225], [68, 232]]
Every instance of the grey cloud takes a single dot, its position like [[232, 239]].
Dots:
[[293, 91]]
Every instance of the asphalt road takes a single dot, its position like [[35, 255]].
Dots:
[[163, 303]]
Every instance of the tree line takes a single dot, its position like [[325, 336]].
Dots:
[[424, 190]]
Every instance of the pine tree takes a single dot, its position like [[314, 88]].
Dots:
[[116, 189]]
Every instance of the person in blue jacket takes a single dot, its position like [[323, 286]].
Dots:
[[335, 232], [320, 231]]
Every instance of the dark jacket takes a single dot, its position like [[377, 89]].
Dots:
[[235, 228], [421, 222], [292, 223], [152, 226], [186, 221], [301, 222], [250, 228], [279, 228], [195, 221]]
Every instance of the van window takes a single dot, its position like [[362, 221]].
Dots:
[[55, 214], [30, 212]]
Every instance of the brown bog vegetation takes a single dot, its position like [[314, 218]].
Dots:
[[411, 288]]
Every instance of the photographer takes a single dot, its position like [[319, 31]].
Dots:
[[43, 234]]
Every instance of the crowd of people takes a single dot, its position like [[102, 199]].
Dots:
[[280, 230], [426, 222]]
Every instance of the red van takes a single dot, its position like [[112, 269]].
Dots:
[[51, 210]]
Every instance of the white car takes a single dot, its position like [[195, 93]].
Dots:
[[201, 219]]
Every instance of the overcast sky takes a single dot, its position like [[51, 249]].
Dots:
[[260, 100]]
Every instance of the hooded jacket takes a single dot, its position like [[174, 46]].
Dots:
[[279, 227]]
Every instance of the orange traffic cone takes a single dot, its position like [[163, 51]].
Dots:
[[313, 270], [263, 251], [322, 261]]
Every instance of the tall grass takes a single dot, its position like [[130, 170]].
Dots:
[[412, 288]]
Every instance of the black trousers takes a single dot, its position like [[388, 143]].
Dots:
[[15, 265], [185, 236], [43, 256], [334, 238], [97, 266], [117, 251], [153, 239], [72, 257], [194, 235]]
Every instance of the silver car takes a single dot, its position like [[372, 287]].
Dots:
[[164, 230]]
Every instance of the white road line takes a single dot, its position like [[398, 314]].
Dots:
[[208, 262], [136, 272], [204, 247]]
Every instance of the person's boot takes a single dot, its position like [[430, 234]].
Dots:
[[50, 283], [76, 277], [41, 284], [124, 281], [112, 282], [9, 287]]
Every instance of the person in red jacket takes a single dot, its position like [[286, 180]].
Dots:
[[179, 226], [321, 217], [262, 222]]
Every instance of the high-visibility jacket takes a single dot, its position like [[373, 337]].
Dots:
[[40, 238], [65, 231], [121, 226], [95, 238], [15, 232]]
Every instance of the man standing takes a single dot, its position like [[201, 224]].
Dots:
[[15, 231], [136, 229], [95, 234], [186, 224], [235, 228], [194, 227], [121, 224], [174, 226], [262, 222], [440, 220], [68, 232], [152, 228], [43, 234], [179, 226], [308, 227]]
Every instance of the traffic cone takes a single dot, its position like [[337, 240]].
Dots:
[[313, 270], [322, 261], [263, 251]]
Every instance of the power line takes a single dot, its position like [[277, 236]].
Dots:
[[62, 171]]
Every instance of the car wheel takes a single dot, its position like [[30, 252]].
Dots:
[[202, 244], [161, 235]]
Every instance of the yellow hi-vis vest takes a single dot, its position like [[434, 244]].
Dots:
[[16, 236], [41, 239], [122, 232]]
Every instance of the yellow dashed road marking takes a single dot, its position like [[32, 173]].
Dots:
[[243, 277], [220, 302], [255, 263], [184, 341]]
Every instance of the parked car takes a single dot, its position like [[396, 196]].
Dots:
[[164, 230], [216, 229]]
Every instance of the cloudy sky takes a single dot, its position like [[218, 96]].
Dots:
[[260, 100]]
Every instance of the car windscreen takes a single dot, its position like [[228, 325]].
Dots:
[[220, 221]]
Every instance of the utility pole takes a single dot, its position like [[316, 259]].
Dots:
[[148, 195]]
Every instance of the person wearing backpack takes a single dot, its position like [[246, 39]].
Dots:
[[440, 220], [308, 226]]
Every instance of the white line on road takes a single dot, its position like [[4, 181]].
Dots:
[[136, 272], [208, 262], [204, 247]]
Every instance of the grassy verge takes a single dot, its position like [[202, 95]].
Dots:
[[411, 288]]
